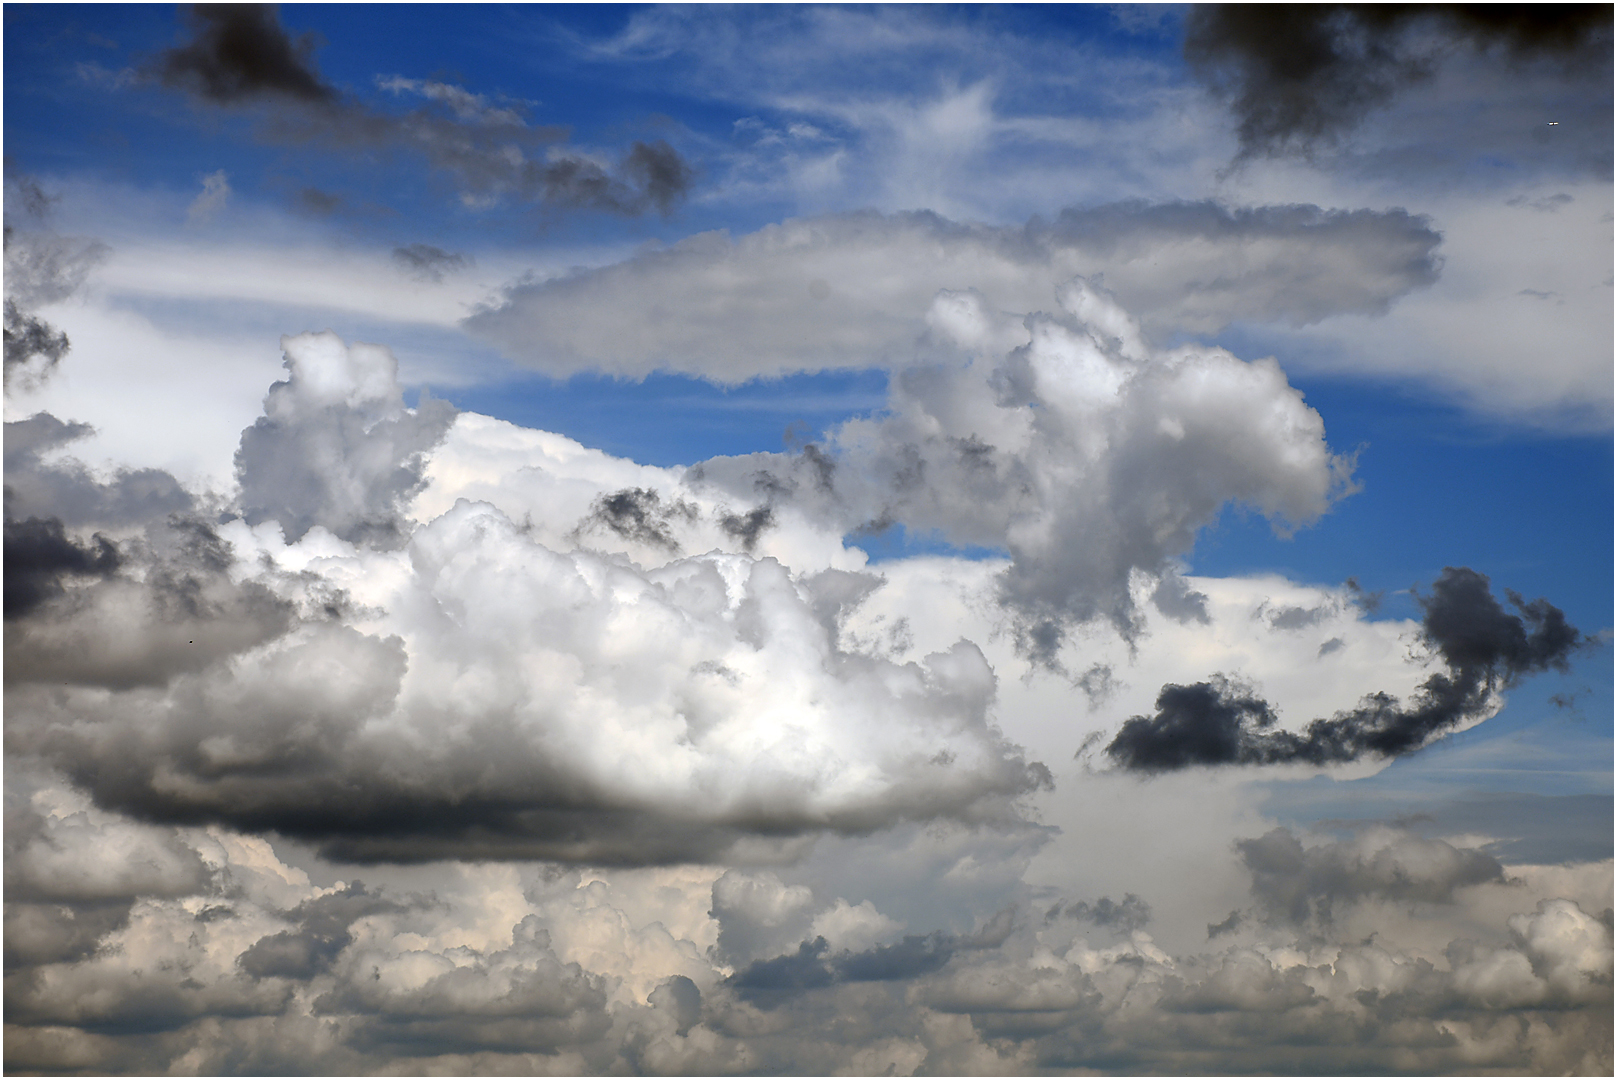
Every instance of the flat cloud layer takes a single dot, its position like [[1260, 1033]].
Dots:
[[851, 290]]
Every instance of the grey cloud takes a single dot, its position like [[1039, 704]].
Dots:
[[41, 267], [746, 528], [65, 489], [772, 982], [1177, 600], [1485, 649], [1300, 78], [289, 735], [98, 627], [38, 554], [240, 55], [322, 932], [240, 52], [427, 263], [1297, 618], [1298, 883], [518, 999], [321, 203], [1127, 915], [336, 446], [358, 980], [80, 859], [638, 514], [1078, 511], [28, 336], [732, 309]]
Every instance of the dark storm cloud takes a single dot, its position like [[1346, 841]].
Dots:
[[241, 55], [427, 263], [240, 52], [39, 554], [1485, 649], [1301, 76]]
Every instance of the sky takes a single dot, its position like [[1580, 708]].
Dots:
[[831, 540]]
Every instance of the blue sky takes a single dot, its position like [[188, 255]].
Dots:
[[1233, 307]]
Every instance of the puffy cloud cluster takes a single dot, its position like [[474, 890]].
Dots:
[[1086, 454], [643, 779], [853, 290], [202, 950], [322, 666], [336, 446]]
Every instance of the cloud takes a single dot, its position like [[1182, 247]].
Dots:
[[336, 446], [1291, 881], [427, 263], [41, 267], [853, 290], [1301, 79], [1125, 916], [240, 52], [1485, 650], [215, 194], [1084, 453], [241, 56], [257, 657], [65, 490], [228, 958], [38, 554]]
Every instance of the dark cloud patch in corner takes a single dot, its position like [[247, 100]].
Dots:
[[241, 55], [39, 554], [1300, 77], [1485, 648], [240, 52]]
